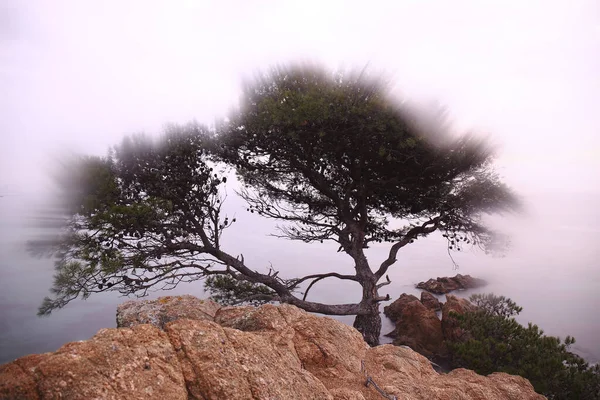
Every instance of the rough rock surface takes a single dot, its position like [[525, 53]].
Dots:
[[127, 363], [246, 353], [225, 363], [430, 301], [449, 324], [407, 375], [163, 310], [394, 310], [420, 329], [447, 285]]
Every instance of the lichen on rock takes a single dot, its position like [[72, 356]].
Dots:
[[163, 310]]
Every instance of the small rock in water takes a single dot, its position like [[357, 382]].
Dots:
[[446, 285]]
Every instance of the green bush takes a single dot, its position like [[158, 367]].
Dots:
[[498, 343], [229, 291]]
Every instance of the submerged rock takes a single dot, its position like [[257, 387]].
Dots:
[[270, 352]]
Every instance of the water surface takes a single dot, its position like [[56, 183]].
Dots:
[[552, 271]]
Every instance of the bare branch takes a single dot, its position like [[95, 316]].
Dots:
[[320, 278], [382, 298], [424, 229], [387, 282], [298, 281]]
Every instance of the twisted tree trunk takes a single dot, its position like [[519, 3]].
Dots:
[[368, 321], [369, 325]]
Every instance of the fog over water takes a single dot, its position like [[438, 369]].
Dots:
[[77, 77], [559, 292]]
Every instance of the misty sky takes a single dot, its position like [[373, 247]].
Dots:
[[81, 74], [78, 75]]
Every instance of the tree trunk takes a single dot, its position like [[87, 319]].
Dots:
[[370, 326], [369, 323]]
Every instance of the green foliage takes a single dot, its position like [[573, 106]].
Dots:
[[496, 305], [227, 290], [498, 343], [146, 215], [326, 150]]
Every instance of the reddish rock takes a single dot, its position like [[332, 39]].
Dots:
[[450, 326], [163, 310], [430, 301], [447, 285], [224, 363], [325, 347], [17, 380], [420, 329], [283, 353], [406, 374], [394, 310], [136, 363]]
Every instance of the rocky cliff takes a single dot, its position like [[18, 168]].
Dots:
[[161, 351]]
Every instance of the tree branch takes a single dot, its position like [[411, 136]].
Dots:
[[323, 276], [284, 293], [424, 229], [382, 298], [379, 286]]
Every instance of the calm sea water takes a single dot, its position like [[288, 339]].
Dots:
[[552, 271]]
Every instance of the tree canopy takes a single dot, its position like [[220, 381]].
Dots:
[[333, 153], [333, 156]]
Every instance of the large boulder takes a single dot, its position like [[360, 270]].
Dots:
[[430, 301], [447, 285], [450, 326], [394, 310], [420, 329], [248, 353], [328, 349], [163, 310]]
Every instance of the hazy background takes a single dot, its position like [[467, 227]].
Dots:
[[78, 75]]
